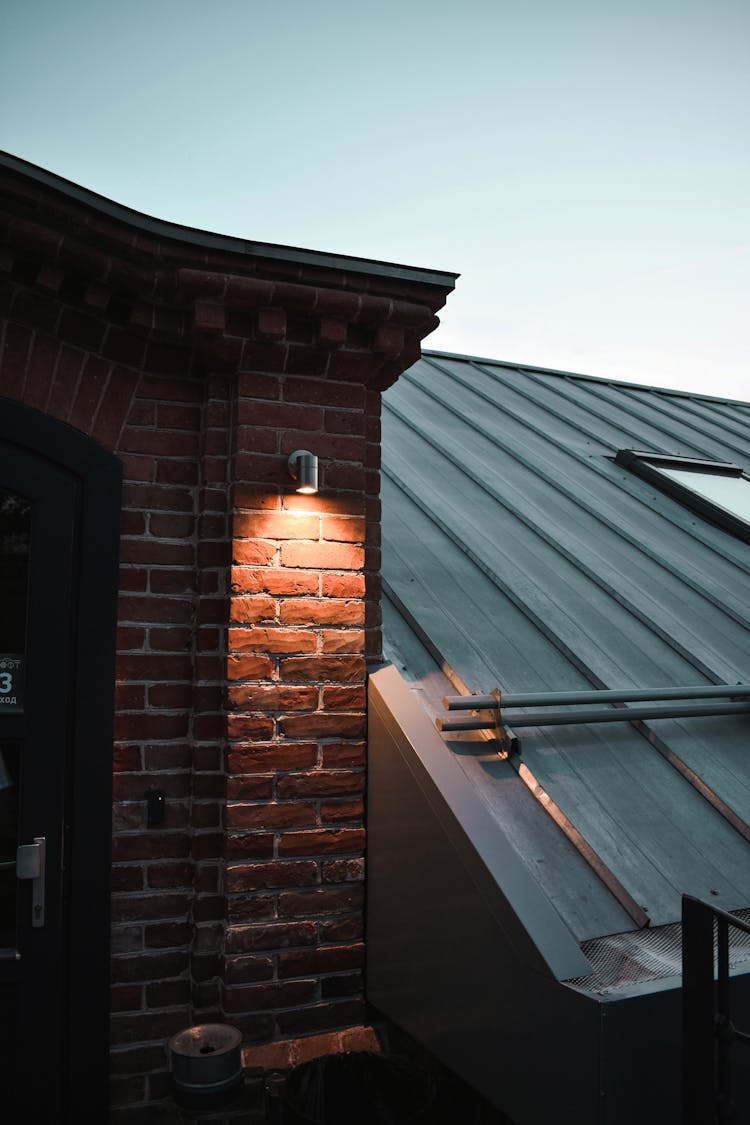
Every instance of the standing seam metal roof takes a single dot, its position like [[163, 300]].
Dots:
[[525, 558]]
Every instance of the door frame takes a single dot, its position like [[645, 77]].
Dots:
[[86, 941]]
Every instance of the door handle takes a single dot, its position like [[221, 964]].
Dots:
[[30, 864]]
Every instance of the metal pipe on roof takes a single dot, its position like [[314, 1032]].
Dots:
[[605, 695], [605, 715]]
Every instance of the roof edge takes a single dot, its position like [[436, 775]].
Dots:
[[177, 232], [427, 352]]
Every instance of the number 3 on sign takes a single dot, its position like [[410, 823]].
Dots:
[[6, 683]]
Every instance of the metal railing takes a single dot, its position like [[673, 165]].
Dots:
[[682, 705], [708, 1033]]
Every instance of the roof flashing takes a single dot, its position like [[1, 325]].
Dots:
[[212, 241]]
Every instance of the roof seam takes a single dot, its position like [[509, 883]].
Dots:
[[631, 489], [426, 352], [570, 557]]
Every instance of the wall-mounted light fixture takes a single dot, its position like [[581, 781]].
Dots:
[[303, 468]]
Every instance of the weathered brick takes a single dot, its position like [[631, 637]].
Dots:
[[289, 814], [279, 583], [322, 725], [321, 783], [345, 422], [249, 788], [342, 640], [325, 392], [262, 876], [250, 908], [324, 900], [283, 994], [167, 443], [334, 812], [339, 668], [321, 1016], [322, 841], [329, 959], [249, 667], [271, 640], [265, 356], [244, 970], [275, 756], [279, 415], [130, 697], [346, 529], [349, 698], [276, 525], [331, 611], [273, 697], [175, 611], [275, 935], [255, 845], [323, 556], [334, 504], [348, 928], [342, 870], [127, 758], [342, 585], [337, 755], [246, 727], [249, 610]]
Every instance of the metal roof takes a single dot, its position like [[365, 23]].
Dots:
[[517, 554]]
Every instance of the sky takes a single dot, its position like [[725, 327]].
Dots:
[[585, 166]]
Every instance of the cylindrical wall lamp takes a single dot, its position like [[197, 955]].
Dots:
[[303, 468]]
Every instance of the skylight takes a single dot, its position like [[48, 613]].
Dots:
[[717, 490]]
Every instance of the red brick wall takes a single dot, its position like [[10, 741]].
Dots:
[[296, 721], [247, 613]]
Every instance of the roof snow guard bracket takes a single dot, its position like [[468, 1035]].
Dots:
[[502, 724], [491, 720]]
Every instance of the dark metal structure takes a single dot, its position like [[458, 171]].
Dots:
[[56, 746], [711, 1065], [521, 557]]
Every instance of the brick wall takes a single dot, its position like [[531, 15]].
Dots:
[[296, 719], [247, 613]]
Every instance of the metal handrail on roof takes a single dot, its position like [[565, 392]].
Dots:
[[497, 701]]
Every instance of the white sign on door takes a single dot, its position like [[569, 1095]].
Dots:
[[11, 682]]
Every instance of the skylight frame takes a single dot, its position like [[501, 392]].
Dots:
[[647, 465]]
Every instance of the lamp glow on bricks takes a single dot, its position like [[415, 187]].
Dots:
[[303, 469]]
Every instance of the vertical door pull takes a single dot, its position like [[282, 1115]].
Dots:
[[30, 861]]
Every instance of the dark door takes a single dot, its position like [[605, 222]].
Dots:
[[56, 641]]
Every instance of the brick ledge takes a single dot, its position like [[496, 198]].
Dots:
[[287, 1053]]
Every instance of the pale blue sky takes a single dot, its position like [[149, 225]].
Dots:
[[584, 166]]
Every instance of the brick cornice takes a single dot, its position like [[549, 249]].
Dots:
[[214, 294]]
